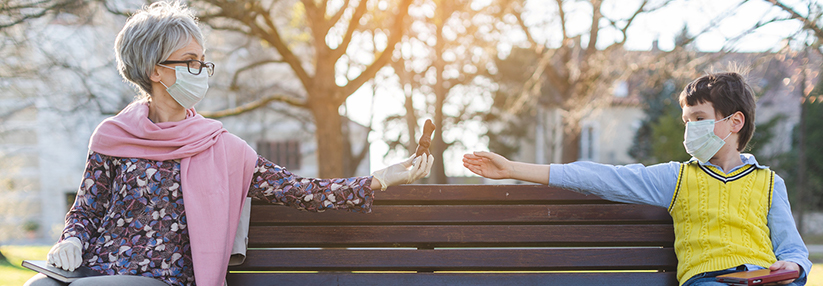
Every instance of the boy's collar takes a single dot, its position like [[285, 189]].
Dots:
[[748, 159]]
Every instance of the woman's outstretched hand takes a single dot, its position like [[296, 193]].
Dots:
[[488, 164], [410, 170]]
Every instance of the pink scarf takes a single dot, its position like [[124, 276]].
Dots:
[[216, 171]]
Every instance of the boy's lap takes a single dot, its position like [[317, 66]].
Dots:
[[710, 281]]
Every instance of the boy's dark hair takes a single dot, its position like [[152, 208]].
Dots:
[[729, 93]]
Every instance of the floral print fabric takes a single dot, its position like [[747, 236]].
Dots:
[[129, 213]]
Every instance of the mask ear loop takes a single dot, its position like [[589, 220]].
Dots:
[[168, 67], [730, 132]]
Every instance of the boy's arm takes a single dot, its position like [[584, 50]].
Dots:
[[653, 185], [786, 240], [635, 183], [494, 166]]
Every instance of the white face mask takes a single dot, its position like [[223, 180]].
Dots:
[[189, 89], [700, 140]]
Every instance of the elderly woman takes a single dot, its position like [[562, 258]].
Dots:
[[163, 187]]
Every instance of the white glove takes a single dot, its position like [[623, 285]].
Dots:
[[404, 172], [67, 254]]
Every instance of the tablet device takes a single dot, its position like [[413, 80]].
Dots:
[[757, 277], [59, 274]]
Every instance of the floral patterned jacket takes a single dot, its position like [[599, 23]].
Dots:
[[130, 217]]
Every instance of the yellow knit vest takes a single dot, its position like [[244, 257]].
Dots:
[[720, 220]]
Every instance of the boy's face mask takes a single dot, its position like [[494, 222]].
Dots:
[[700, 140]]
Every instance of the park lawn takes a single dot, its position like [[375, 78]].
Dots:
[[12, 274]]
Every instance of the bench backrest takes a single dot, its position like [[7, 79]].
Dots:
[[457, 228]]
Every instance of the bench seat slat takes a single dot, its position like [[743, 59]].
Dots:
[[496, 194], [461, 235], [460, 259], [523, 214], [480, 279]]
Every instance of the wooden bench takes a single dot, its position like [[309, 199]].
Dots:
[[463, 235]]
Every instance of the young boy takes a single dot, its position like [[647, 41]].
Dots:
[[730, 213]]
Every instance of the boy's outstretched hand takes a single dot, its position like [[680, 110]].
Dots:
[[784, 265], [488, 164]]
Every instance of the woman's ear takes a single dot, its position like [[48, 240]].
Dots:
[[738, 120], [155, 74]]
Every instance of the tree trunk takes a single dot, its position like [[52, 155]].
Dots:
[[438, 146], [329, 136], [571, 144], [802, 189], [411, 124]]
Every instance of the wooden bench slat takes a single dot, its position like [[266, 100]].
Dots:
[[480, 279], [496, 194], [528, 259], [439, 214], [463, 228], [461, 235]]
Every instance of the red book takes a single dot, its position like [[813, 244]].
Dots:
[[757, 277]]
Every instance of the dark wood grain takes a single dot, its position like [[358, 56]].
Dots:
[[525, 259], [465, 214], [473, 194], [461, 235], [431, 228], [479, 279]]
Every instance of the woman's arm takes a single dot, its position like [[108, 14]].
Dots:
[[91, 202], [276, 185]]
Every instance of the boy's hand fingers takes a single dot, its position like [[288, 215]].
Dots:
[[784, 265]]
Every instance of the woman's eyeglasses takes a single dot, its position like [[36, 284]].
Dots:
[[194, 66]]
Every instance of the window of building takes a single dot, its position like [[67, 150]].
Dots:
[[283, 153]]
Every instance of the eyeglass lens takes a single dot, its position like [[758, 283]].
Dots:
[[195, 67]]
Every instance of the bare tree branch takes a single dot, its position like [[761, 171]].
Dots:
[[272, 36], [383, 58], [233, 85], [353, 24], [595, 29], [254, 105], [17, 14], [336, 17], [807, 23]]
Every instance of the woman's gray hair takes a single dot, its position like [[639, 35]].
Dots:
[[150, 36]]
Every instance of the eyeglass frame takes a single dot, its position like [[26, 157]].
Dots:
[[209, 66]]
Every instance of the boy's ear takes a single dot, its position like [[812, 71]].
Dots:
[[738, 120]]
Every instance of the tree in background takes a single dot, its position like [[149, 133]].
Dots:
[[579, 70], [804, 182], [320, 42], [803, 165], [505, 130], [448, 50], [332, 28]]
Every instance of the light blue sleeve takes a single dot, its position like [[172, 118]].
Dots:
[[786, 240], [635, 183]]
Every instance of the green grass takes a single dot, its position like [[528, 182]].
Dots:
[[12, 274]]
